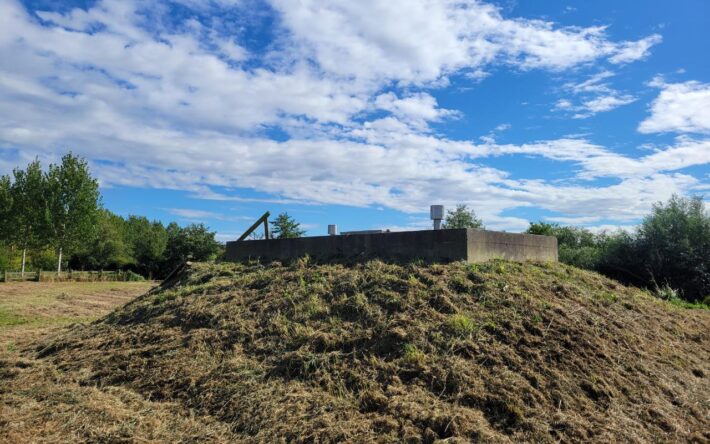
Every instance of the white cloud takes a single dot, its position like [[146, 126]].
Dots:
[[632, 51], [420, 40], [602, 104], [418, 109], [194, 215], [596, 94], [180, 107], [680, 107]]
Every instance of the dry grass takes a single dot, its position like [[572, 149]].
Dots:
[[31, 309], [40, 405], [500, 352]]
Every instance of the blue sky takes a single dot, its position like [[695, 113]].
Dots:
[[364, 113]]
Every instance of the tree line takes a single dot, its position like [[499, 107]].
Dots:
[[669, 252], [54, 219]]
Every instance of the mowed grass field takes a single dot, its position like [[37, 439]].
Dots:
[[40, 403], [29, 310]]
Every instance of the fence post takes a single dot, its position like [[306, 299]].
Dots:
[[39, 275]]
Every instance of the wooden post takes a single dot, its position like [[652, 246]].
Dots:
[[39, 275], [265, 220]]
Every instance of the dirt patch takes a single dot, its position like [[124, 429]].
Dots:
[[500, 352]]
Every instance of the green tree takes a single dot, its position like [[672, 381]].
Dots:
[[462, 217], [673, 246], [6, 219], [6, 227], [73, 201], [147, 242], [29, 217], [195, 242], [108, 248], [577, 246], [285, 227]]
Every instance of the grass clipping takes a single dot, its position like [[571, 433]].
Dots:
[[498, 352]]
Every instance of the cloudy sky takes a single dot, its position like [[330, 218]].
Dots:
[[363, 113]]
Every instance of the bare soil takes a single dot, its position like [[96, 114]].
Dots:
[[499, 352]]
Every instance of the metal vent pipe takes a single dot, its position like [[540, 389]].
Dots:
[[437, 214]]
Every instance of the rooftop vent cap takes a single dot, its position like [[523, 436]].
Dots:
[[437, 214]]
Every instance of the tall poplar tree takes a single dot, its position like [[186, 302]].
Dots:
[[73, 198], [29, 217], [6, 219]]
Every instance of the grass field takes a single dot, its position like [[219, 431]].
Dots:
[[39, 405], [29, 310]]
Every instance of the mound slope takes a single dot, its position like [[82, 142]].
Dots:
[[499, 352]]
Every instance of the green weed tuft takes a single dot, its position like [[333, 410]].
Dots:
[[461, 324]]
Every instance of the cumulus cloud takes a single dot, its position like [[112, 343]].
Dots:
[[180, 107], [420, 40], [418, 109], [680, 108]]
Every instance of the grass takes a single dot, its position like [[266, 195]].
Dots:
[[461, 324], [8, 318], [30, 309], [365, 352]]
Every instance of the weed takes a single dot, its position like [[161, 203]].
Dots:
[[461, 324], [606, 297], [666, 293], [412, 355]]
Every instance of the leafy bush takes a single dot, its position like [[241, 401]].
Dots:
[[670, 249]]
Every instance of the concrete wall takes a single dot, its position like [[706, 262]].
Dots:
[[429, 245], [440, 245], [484, 245]]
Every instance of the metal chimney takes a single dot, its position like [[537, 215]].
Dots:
[[332, 230], [437, 214]]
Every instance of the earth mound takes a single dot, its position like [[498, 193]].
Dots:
[[495, 352]]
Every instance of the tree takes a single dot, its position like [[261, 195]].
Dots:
[[73, 201], [668, 250], [6, 219], [462, 217], [577, 246], [285, 227], [108, 248], [29, 217], [147, 242], [673, 246], [193, 242]]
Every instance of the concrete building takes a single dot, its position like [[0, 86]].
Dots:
[[429, 245]]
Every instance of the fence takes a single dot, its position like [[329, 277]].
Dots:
[[75, 276]]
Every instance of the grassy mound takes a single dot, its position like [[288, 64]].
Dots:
[[497, 352]]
